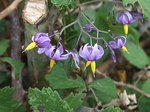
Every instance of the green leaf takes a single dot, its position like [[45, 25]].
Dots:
[[4, 44], [3, 77], [7, 101], [103, 19], [105, 89], [146, 86], [3, 25], [117, 29], [133, 34], [144, 102], [136, 55], [59, 3], [126, 2], [75, 101], [145, 4], [112, 109], [47, 100], [58, 79], [90, 14], [17, 66]]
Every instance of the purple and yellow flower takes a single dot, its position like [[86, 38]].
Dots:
[[126, 18], [40, 40], [56, 54], [118, 43], [91, 54], [88, 28]]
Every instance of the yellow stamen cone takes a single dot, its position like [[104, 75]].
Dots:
[[126, 28], [52, 63], [88, 63], [30, 46], [125, 49], [93, 66]]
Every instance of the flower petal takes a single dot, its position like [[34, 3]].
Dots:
[[41, 50], [60, 48], [97, 52], [75, 56], [50, 52], [113, 44], [83, 52], [125, 17]]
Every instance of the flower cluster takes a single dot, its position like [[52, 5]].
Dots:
[[89, 52], [42, 42], [57, 53], [125, 18]]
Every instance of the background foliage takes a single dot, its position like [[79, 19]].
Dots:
[[66, 88]]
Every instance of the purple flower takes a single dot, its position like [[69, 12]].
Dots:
[[88, 28], [40, 40], [127, 18], [43, 50], [57, 54], [91, 54], [118, 43]]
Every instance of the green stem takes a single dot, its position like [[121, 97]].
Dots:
[[79, 38], [86, 32], [65, 27], [93, 24], [96, 98]]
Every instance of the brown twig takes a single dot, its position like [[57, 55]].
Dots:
[[78, 4], [9, 9], [15, 40], [126, 85], [133, 88]]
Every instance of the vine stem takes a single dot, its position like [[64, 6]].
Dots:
[[65, 27], [80, 35], [86, 32], [97, 35], [96, 98], [101, 31]]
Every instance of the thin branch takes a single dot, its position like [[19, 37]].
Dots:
[[65, 27], [86, 32], [133, 88], [79, 38], [9, 9], [101, 31], [126, 85], [78, 4]]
